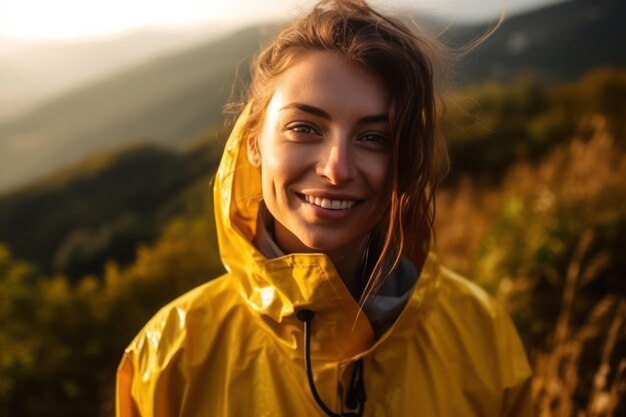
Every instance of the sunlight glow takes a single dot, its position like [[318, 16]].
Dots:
[[65, 19], [71, 19]]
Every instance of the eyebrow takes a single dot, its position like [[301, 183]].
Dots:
[[316, 111]]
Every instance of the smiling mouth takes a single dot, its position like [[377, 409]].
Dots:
[[329, 203]]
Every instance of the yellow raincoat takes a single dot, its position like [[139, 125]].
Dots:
[[234, 346]]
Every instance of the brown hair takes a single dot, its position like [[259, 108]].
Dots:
[[405, 62]]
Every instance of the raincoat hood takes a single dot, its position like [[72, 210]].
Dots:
[[276, 289], [235, 345]]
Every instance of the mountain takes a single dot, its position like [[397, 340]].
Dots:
[[556, 43], [99, 209], [171, 98], [165, 101], [32, 71]]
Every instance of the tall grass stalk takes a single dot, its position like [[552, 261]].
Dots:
[[558, 370]]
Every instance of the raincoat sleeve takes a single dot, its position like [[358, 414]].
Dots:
[[517, 400], [150, 381], [125, 405]]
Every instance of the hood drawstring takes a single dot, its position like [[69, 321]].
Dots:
[[356, 394]]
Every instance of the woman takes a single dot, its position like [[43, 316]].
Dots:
[[332, 304]]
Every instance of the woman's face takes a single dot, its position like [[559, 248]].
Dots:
[[324, 152]]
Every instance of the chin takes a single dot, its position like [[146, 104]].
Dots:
[[326, 245]]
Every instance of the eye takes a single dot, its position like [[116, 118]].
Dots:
[[375, 139], [299, 129]]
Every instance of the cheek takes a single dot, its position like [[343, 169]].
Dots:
[[379, 175], [273, 165], [284, 161], [279, 170]]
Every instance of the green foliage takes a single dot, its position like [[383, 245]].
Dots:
[[538, 240], [60, 342], [488, 127], [549, 242], [17, 347], [600, 92], [492, 126], [100, 209]]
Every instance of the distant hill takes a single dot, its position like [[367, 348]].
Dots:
[[166, 101], [31, 71], [170, 99], [71, 222], [556, 43]]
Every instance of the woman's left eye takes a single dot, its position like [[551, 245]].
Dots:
[[375, 138]]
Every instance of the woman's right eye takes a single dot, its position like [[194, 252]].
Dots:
[[301, 129]]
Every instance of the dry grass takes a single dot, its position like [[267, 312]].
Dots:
[[501, 235], [557, 371]]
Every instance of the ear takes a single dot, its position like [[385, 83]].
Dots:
[[254, 156]]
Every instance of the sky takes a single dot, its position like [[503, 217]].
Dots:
[[57, 20]]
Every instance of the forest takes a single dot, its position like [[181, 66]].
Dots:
[[534, 211]]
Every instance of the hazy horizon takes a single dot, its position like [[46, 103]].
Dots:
[[72, 20]]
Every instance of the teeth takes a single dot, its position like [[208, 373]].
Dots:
[[329, 204]]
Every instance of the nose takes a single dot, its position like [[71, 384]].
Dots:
[[337, 163]]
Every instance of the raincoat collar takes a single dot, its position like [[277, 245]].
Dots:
[[276, 289]]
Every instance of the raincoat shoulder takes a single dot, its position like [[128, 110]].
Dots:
[[487, 351], [156, 368]]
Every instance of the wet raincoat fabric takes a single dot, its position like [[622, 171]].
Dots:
[[234, 346]]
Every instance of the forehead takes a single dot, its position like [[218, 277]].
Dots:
[[330, 82]]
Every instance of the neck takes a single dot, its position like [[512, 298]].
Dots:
[[350, 265]]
